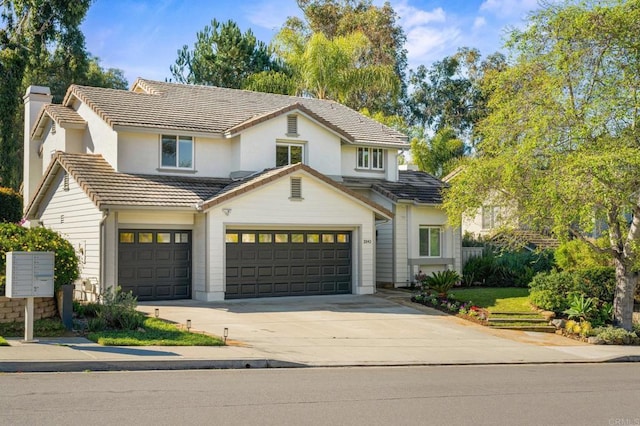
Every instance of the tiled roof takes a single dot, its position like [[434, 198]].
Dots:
[[259, 179], [108, 188], [415, 186], [60, 114], [216, 110]]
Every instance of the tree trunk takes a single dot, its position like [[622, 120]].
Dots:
[[626, 282]]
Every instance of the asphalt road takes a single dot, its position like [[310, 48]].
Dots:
[[592, 394]]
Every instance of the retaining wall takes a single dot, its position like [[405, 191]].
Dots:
[[12, 310]]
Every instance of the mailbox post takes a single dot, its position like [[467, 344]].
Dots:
[[29, 275]]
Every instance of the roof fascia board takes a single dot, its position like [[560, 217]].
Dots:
[[164, 130]]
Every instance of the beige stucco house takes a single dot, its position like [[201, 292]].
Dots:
[[182, 191]]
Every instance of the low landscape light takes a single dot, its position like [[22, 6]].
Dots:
[[225, 334], [157, 312], [188, 325]]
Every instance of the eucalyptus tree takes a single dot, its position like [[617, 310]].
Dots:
[[562, 138]]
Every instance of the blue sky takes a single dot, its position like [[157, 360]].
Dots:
[[142, 37]]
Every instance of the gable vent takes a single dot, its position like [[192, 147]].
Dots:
[[292, 125], [296, 188], [65, 183]]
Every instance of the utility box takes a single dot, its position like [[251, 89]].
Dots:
[[30, 274]]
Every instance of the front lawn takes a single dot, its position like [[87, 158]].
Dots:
[[154, 332], [495, 299], [47, 327]]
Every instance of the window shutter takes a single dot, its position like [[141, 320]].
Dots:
[[292, 124], [296, 188]]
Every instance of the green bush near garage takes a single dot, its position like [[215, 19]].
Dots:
[[10, 205]]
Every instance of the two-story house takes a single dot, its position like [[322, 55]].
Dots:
[[182, 191]]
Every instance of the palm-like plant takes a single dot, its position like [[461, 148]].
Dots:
[[441, 282]]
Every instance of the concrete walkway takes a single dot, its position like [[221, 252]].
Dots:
[[385, 329]]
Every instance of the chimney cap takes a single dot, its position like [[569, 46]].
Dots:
[[37, 90]]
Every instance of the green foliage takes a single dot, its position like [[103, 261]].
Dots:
[[580, 307], [118, 311], [3, 342], [17, 238], [439, 154], [559, 141], [616, 336], [223, 56], [506, 268], [441, 281], [46, 327], [10, 205], [553, 291], [577, 254], [156, 333]]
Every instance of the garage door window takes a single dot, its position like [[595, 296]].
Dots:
[[343, 238], [313, 238], [248, 238], [145, 237], [182, 237], [264, 238], [127, 237], [231, 238], [297, 238], [328, 238], [164, 237], [282, 238]]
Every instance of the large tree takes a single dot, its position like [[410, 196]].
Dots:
[[223, 56], [336, 19], [449, 94], [328, 69], [40, 44], [562, 142], [437, 155]]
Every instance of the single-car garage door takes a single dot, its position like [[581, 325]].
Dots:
[[287, 263], [155, 264]]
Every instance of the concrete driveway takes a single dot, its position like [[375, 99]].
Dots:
[[384, 329]]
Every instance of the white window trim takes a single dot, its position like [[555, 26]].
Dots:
[[289, 145], [370, 162], [177, 167], [431, 228]]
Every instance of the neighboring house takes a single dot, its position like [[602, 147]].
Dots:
[[180, 191]]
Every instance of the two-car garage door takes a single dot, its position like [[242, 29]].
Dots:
[[156, 264], [287, 263]]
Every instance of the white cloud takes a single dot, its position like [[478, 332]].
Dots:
[[425, 45], [271, 14], [479, 22]]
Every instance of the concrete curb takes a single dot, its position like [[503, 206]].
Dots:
[[84, 366], [243, 364]]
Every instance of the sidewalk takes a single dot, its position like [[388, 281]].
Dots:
[[321, 331]]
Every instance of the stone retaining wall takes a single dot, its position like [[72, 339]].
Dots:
[[12, 310]]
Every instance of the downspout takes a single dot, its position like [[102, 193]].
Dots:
[[102, 251]]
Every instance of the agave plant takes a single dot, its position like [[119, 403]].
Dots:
[[441, 282], [580, 307]]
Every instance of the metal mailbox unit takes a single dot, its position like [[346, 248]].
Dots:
[[29, 275]]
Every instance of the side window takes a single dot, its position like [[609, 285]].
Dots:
[[363, 158], [430, 241], [177, 151]]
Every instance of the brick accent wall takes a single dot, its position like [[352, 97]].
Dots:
[[12, 310]]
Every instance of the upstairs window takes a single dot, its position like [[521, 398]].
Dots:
[[490, 217], [370, 158], [177, 151], [289, 154], [430, 241], [292, 125]]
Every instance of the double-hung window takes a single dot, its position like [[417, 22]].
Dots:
[[370, 158], [430, 241], [177, 152], [289, 154], [490, 217]]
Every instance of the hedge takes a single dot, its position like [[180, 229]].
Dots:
[[10, 205]]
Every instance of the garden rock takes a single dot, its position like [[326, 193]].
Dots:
[[558, 323], [595, 340], [548, 315]]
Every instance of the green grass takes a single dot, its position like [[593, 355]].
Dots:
[[48, 327], [3, 342], [496, 299], [157, 333]]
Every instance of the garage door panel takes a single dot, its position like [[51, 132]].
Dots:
[[153, 265], [280, 263]]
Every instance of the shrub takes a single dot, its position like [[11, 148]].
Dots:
[[553, 291], [442, 281], [119, 312], [577, 254], [10, 205], [478, 270], [581, 307], [14, 237], [506, 268], [615, 336]]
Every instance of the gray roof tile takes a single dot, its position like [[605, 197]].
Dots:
[[216, 110]]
